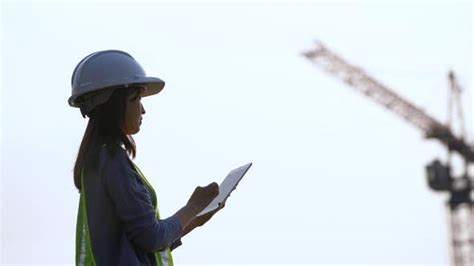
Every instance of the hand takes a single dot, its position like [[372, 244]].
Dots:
[[202, 196], [201, 220], [199, 200]]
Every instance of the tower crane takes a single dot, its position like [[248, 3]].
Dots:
[[460, 188]]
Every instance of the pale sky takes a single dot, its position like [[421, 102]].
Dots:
[[336, 178]]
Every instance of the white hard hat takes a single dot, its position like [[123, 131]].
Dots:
[[97, 75]]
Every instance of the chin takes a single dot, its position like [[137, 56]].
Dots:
[[133, 131]]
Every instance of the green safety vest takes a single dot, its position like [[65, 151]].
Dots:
[[84, 254]]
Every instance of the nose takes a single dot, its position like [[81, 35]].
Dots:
[[143, 109]]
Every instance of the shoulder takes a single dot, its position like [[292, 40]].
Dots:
[[112, 153], [114, 159], [119, 175]]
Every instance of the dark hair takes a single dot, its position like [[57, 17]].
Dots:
[[105, 126]]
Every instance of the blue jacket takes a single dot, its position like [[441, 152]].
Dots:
[[121, 217]]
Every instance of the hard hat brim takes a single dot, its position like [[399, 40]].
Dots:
[[153, 86]]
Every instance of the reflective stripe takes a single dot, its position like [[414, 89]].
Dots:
[[82, 257], [165, 260]]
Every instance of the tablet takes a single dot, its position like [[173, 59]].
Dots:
[[226, 187]]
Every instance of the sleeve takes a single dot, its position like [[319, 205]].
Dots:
[[134, 207], [176, 244]]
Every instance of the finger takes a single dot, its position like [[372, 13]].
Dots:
[[213, 188], [213, 185]]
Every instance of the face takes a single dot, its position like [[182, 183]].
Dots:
[[133, 113]]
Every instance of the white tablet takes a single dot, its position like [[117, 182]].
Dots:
[[226, 187]]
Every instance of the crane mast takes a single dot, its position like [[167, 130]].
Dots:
[[461, 189]]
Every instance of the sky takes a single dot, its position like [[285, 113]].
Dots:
[[335, 177]]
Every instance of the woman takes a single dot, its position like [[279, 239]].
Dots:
[[118, 221]]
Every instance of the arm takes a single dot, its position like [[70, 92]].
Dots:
[[199, 200], [134, 208], [194, 222], [200, 220]]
